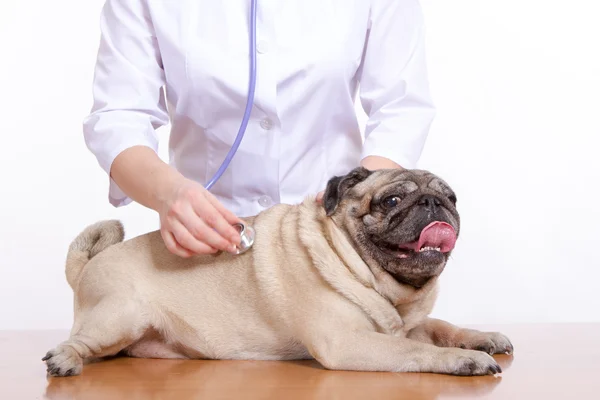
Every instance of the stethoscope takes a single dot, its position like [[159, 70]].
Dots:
[[247, 233]]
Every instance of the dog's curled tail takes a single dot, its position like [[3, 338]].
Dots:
[[91, 241]]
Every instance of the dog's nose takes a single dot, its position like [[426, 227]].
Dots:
[[430, 202]]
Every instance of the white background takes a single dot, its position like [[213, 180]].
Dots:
[[517, 87]]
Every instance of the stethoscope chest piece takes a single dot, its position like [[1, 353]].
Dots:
[[247, 237]]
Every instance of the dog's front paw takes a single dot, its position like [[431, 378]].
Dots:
[[469, 363], [488, 342], [63, 361]]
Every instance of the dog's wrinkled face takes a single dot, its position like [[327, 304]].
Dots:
[[405, 221]]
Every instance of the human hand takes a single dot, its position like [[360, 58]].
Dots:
[[193, 221], [319, 197], [371, 163]]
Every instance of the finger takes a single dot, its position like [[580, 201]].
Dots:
[[215, 220], [188, 240], [173, 246], [227, 214], [199, 229], [320, 197]]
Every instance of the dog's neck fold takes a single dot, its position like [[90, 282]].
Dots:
[[343, 268]]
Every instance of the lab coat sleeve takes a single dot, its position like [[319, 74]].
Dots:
[[394, 87], [128, 97]]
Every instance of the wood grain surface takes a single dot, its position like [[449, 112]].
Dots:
[[559, 361]]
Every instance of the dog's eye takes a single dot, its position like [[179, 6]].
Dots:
[[391, 202], [452, 198]]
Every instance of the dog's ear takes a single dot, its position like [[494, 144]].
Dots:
[[339, 185]]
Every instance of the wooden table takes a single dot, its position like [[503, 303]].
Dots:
[[550, 362]]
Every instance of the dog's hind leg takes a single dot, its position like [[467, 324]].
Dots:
[[103, 330]]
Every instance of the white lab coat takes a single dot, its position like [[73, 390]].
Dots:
[[185, 62]]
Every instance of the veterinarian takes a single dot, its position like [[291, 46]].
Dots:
[[185, 64]]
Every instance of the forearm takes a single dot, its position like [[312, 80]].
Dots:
[[444, 334], [376, 162], [143, 176], [435, 331]]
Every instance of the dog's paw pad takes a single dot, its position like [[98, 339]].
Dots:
[[501, 343], [63, 362], [487, 346], [473, 363], [490, 343]]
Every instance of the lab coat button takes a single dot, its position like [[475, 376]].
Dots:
[[265, 201], [262, 47], [266, 124]]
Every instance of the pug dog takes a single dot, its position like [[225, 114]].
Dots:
[[349, 283]]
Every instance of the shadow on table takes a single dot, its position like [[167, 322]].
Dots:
[[131, 379]]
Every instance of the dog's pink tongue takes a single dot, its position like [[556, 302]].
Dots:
[[438, 235]]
